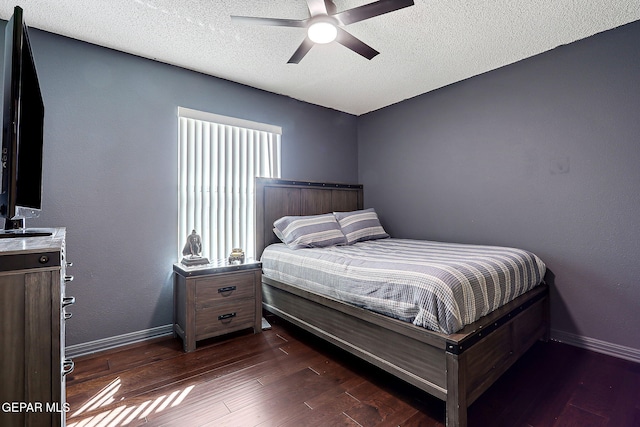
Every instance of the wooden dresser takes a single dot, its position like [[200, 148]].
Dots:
[[216, 299], [32, 317]]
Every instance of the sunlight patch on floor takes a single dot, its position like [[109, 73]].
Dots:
[[123, 415]]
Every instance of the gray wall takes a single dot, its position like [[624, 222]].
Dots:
[[110, 170], [543, 154]]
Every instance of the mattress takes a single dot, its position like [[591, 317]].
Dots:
[[435, 285]]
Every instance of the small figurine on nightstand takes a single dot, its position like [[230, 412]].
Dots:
[[236, 256], [192, 250]]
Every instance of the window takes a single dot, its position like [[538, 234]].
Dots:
[[219, 158]]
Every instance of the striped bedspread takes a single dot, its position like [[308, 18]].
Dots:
[[439, 286]]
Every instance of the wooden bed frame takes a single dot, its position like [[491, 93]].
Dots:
[[456, 368]]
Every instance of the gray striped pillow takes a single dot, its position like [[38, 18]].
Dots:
[[362, 225], [313, 231]]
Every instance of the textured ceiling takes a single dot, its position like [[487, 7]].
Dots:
[[422, 48]]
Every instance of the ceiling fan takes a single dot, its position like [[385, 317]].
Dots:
[[325, 24]]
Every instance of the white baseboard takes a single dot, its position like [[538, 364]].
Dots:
[[598, 346], [117, 341], [592, 344]]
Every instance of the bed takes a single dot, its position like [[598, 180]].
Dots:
[[455, 367]]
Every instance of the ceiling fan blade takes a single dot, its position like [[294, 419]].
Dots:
[[317, 7], [370, 10], [331, 7], [356, 45], [270, 21], [302, 50]]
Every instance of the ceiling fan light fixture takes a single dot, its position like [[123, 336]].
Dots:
[[322, 31], [325, 24]]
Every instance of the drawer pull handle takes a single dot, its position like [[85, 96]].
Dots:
[[226, 316], [68, 278], [67, 366], [227, 289], [68, 301], [67, 316]]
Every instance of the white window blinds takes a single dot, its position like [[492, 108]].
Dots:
[[219, 159]]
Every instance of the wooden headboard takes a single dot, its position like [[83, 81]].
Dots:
[[276, 198]]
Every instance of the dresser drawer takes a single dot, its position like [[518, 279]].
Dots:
[[225, 317], [221, 288]]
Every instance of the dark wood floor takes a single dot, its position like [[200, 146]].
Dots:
[[285, 377]]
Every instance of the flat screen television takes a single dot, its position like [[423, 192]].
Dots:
[[22, 133]]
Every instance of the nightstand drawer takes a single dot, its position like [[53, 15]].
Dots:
[[225, 317], [217, 289]]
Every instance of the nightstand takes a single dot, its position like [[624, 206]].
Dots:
[[215, 299]]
